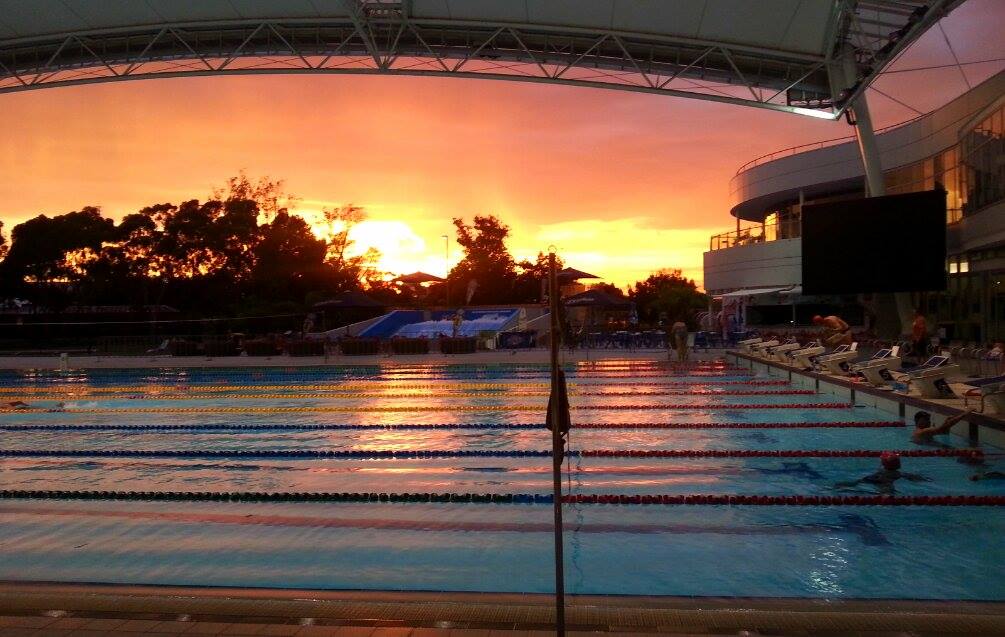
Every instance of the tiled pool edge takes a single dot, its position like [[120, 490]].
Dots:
[[667, 615], [976, 427]]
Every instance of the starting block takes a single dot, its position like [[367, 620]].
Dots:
[[876, 370], [746, 344], [931, 377], [991, 392], [839, 361], [761, 349], [781, 352], [803, 358]]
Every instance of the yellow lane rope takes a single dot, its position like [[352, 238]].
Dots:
[[421, 408], [423, 395], [151, 389], [280, 410], [351, 387]]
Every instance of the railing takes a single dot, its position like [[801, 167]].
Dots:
[[824, 143], [790, 229]]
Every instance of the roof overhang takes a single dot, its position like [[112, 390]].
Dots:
[[808, 57], [739, 294]]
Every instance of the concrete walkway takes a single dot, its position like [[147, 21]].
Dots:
[[37, 609]]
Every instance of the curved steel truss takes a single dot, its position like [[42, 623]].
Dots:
[[380, 36]]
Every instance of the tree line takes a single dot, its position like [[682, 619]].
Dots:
[[242, 252]]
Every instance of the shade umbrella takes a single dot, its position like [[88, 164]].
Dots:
[[572, 274], [417, 278]]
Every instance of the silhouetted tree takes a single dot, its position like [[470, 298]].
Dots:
[[240, 251], [486, 261], [667, 291], [269, 194], [527, 283], [289, 261], [609, 288], [45, 253]]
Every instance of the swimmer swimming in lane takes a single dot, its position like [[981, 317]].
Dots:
[[885, 478]]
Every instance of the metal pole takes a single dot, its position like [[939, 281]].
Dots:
[[446, 264], [868, 148], [558, 454]]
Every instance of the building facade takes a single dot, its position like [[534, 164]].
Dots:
[[959, 147]]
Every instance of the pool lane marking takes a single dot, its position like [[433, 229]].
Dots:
[[419, 454], [873, 424], [370, 386], [846, 523], [389, 376], [421, 394], [513, 498], [418, 408]]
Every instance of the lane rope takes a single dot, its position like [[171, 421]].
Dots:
[[865, 424], [385, 378], [361, 395], [414, 366], [415, 408], [512, 498], [370, 386], [407, 454]]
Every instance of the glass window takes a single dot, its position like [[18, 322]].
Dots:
[[984, 170], [928, 174]]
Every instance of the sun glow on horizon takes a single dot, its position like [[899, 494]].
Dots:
[[620, 251], [401, 249]]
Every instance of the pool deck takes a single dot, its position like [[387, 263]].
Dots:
[[37, 609]]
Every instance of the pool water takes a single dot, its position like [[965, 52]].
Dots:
[[927, 552]]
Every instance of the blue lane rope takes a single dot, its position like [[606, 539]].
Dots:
[[512, 498], [212, 427]]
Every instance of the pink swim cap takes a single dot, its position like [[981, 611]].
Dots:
[[890, 460]]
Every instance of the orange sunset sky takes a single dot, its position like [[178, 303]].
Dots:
[[621, 183]]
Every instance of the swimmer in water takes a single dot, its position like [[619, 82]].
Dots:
[[885, 479], [924, 431], [17, 404], [988, 475], [794, 468]]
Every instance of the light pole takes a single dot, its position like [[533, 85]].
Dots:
[[446, 264]]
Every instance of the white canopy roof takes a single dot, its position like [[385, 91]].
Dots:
[[781, 54], [798, 26]]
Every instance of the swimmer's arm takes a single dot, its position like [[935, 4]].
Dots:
[[853, 483], [945, 426], [915, 477]]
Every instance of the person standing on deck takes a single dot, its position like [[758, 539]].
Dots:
[[919, 332], [678, 333]]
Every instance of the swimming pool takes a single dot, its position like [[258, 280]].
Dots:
[[436, 478]]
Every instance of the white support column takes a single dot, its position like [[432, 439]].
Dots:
[[868, 149], [875, 186]]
